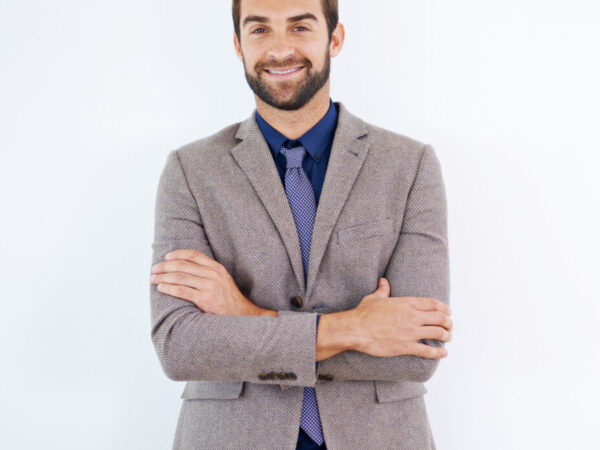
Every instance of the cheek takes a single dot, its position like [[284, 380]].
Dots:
[[317, 53], [252, 61]]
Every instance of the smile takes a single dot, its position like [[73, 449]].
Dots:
[[282, 73]]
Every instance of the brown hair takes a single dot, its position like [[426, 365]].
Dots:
[[330, 10]]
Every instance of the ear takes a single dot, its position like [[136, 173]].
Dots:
[[237, 46], [337, 40]]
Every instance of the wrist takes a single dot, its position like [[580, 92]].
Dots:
[[247, 308], [337, 332], [266, 312]]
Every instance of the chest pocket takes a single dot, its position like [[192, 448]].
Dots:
[[366, 231], [212, 389]]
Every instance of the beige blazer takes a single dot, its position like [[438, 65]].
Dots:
[[382, 212]]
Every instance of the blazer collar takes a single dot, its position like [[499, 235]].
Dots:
[[347, 122], [317, 140]]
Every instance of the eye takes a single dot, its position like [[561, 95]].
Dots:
[[256, 29], [300, 26]]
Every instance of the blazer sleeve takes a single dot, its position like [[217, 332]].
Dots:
[[419, 267], [193, 345]]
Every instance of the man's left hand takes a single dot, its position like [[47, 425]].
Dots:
[[193, 276]]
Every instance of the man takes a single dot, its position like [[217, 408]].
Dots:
[[300, 238]]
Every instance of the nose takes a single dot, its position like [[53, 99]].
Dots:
[[280, 48]]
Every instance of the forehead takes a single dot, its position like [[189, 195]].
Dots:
[[279, 10]]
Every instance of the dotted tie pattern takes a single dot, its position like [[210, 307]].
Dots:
[[301, 197]]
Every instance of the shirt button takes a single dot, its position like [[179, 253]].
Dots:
[[296, 301]]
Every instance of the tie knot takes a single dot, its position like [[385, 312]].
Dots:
[[294, 156]]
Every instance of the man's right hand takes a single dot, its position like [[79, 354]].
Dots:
[[392, 326]]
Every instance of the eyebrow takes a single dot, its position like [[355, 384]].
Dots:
[[290, 19]]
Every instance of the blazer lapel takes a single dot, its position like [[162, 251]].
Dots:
[[348, 153], [255, 159]]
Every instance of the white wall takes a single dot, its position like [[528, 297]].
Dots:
[[94, 94]]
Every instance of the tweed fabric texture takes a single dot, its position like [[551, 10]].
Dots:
[[382, 212], [301, 197]]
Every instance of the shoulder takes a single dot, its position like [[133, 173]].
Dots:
[[386, 137], [384, 144], [212, 146], [395, 145]]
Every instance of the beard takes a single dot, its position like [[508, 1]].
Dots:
[[303, 90]]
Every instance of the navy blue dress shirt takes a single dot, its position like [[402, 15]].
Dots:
[[317, 141]]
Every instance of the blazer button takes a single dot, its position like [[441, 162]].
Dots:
[[282, 375], [271, 375], [297, 301], [262, 376]]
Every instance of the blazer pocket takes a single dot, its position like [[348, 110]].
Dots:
[[366, 230], [389, 391], [212, 389]]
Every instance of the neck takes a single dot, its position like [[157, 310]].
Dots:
[[293, 124]]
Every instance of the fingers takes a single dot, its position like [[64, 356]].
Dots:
[[433, 332], [180, 265], [438, 318], [179, 278], [191, 255], [182, 292], [430, 304], [383, 288], [428, 351]]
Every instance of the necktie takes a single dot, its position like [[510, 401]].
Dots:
[[301, 197]]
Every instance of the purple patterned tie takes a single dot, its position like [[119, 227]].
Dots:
[[301, 196]]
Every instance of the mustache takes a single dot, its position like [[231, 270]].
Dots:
[[283, 64]]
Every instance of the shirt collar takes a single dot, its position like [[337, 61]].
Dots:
[[316, 140]]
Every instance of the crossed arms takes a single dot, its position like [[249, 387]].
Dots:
[[203, 328]]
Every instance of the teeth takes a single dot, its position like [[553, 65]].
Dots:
[[283, 71]]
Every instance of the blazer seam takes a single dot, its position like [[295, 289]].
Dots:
[[423, 150], [187, 184], [407, 200]]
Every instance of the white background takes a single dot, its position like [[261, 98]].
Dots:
[[94, 94]]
